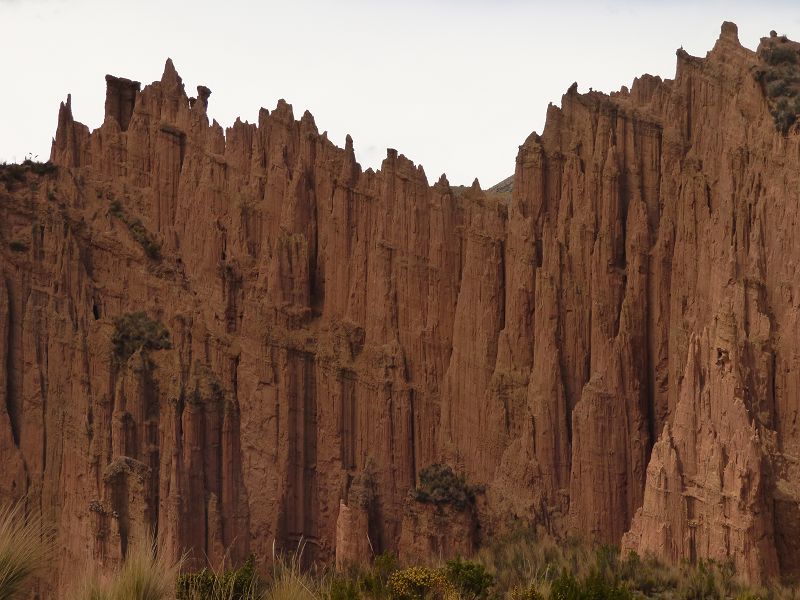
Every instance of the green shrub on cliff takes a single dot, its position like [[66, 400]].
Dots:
[[13, 173], [781, 55], [136, 331], [140, 233], [438, 484], [780, 80]]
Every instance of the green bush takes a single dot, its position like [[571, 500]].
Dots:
[[115, 209], [784, 114], [780, 80], [469, 578], [778, 87], [235, 584], [11, 174], [700, 584], [781, 55], [648, 576], [343, 589], [438, 484], [16, 173], [136, 331], [420, 583], [526, 593], [148, 242], [39, 168], [151, 247], [376, 580], [594, 587]]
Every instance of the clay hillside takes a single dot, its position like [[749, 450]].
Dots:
[[239, 336]]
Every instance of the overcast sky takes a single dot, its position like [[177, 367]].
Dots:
[[455, 85]]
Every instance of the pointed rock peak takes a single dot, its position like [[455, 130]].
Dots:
[[573, 89], [476, 185], [534, 139], [391, 153], [68, 104], [263, 115], [307, 120], [348, 144], [308, 126], [120, 99], [443, 181], [283, 111], [170, 76], [729, 31], [202, 94], [728, 42]]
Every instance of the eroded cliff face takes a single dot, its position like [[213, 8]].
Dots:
[[608, 351]]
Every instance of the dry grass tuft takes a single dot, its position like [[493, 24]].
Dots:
[[289, 581], [24, 550], [146, 574]]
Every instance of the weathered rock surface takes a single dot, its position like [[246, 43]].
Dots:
[[610, 349], [436, 533]]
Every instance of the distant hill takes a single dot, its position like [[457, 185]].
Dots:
[[505, 186]]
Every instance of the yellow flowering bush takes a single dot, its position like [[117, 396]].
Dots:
[[526, 593], [421, 583]]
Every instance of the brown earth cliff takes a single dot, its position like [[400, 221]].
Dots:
[[610, 350]]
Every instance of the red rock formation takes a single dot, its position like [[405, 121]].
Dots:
[[609, 350], [436, 533]]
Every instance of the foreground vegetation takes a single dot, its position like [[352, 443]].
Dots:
[[523, 566], [24, 549]]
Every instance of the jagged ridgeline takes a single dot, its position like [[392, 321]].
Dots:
[[241, 339]]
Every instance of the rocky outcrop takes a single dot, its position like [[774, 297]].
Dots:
[[607, 351], [436, 533]]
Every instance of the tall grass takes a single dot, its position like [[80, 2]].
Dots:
[[290, 581], [221, 584], [530, 564], [24, 549], [526, 565], [147, 573]]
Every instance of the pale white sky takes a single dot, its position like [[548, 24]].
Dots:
[[455, 85]]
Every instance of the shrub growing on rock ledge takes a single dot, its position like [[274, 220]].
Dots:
[[136, 331], [780, 80], [13, 173], [140, 233], [438, 484]]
